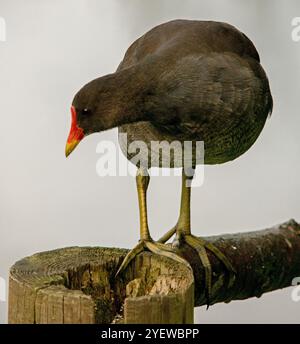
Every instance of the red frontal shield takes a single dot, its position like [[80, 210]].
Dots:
[[76, 133]]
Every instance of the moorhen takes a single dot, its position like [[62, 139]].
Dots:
[[182, 81]]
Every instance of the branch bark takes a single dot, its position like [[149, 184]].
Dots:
[[77, 285], [265, 260]]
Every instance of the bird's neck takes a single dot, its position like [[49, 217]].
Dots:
[[123, 97]]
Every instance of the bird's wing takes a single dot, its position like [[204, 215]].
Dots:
[[213, 87]]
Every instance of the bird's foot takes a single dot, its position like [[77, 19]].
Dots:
[[154, 247], [201, 246]]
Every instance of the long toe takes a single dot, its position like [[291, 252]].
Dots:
[[199, 247], [232, 272], [130, 256], [166, 251], [154, 247], [202, 246]]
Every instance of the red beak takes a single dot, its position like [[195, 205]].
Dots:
[[76, 133]]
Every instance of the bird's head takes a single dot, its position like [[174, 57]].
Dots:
[[85, 117], [102, 104]]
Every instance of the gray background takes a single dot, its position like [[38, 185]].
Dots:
[[46, 201]]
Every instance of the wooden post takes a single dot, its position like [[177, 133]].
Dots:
[[78, 285]]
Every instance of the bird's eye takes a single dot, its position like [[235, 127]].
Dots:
[[86, 111]]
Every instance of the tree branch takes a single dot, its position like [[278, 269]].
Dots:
[[265, 260]]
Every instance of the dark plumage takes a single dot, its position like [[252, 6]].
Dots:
[[208, 85], [183, 80]]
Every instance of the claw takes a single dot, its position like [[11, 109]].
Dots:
[[130, 255]]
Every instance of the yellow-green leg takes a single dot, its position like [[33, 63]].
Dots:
[[182, 231], [146, 242]]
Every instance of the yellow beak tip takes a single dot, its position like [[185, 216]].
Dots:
[[70, 146]]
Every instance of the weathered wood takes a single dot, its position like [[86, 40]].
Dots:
[[77, 285]]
